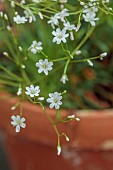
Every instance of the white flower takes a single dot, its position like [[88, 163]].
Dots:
[[5, 53], [64, 13], [32, 91], [103, 55], [40, 15], [78, 52], [55, 100], [59, 150], [64, 78], [54, 20], [90, 17], [36, 47], [71, 116], [19, 92], [1, 14], [90, 62], [44, 66], [68, 26], [20, 48], [5, 17], [77, 119], [41, 98], [67, 138], [18, 122], [60, 35], [19, 20], [12, 4], [91, 10]]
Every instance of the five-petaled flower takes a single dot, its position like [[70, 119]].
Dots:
[[19, 20], [90, 18], [32, 91], [36, 47], [55, 100], [18, 122], [64, 13], [54, 20], [44, 66], [60, 35], [68, 26]]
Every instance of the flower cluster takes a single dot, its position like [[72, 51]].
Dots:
[[60, 34]]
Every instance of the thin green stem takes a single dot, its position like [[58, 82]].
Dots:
[[83, 40]]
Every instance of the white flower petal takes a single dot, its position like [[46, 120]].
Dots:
[[23, 125], [17, 128]]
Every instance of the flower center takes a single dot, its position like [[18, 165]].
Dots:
[[60, 36]]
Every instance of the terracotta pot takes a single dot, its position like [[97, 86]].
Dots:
[[38, 141]]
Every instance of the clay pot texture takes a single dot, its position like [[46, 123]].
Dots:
[[93, 132]]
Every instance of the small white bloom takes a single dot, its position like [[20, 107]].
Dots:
[[5, 17], [71, 36], [20, 48], [1, 14], [77, 119], [41, 98], [9, 28], [64, 13], [82, 3], [54, 20], [64, 78], [5, 53], [13, 108], [19, 92], [91, 10], [68, 26], [36, 47], [18, 122], [23, 66], [103, 55], [12, 4], [16, 13], [44, 66], [67, 139], [19, 20], [78, 52], [32, 91], [40, 15], [90, 62], [59, 150], [60, 35], [90, 17], [55, 100], [71, 117]]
